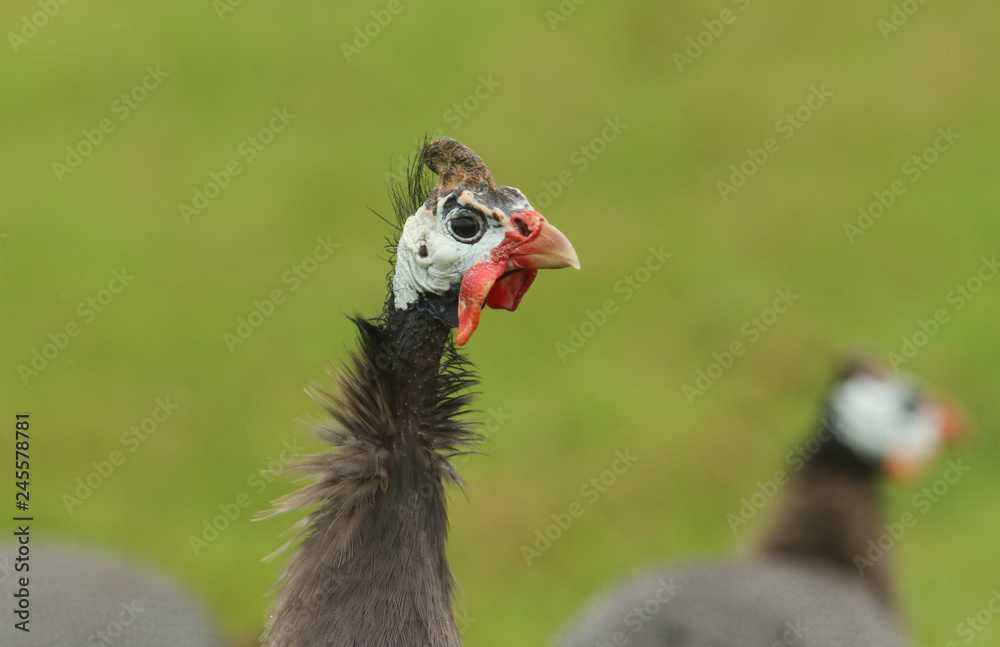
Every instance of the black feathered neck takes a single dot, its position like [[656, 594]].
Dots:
[[372, 569], [837, 457], [830, 510]]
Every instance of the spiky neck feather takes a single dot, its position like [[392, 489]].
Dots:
[[372, 568], [831, 509]]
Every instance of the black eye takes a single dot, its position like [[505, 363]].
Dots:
[[910, 404], [466, 226]]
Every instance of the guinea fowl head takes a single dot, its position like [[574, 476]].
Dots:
[[890, 422], [472, 243]]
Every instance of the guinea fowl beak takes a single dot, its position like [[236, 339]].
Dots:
[[952, 428], [500, 282], [548, 250], [951, 422]]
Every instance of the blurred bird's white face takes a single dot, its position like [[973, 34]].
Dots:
[[885, 420], [488, 246]]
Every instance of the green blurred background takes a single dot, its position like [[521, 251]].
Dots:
[[545, 90]]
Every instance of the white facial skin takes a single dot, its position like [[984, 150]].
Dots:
[[884, 417], [448, 255]]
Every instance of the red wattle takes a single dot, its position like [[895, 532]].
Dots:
[[475, 287], [507, 292]]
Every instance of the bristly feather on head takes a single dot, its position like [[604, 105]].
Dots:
[[409, 193], [406, 195]]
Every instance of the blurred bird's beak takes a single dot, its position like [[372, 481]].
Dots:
[[951, 424], [531, 244]]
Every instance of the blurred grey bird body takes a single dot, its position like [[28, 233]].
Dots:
[[766, 603], [82, 599]]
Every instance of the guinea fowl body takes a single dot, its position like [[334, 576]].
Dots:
[[81, 597], [774, 602], [810, 581], [371, 569]]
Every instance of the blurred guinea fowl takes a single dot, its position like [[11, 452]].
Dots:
[[814, 580], [78, 597], [371, 569]]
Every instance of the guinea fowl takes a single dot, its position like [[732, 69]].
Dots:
[[82, 597], [815, 579], [371, 569]]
